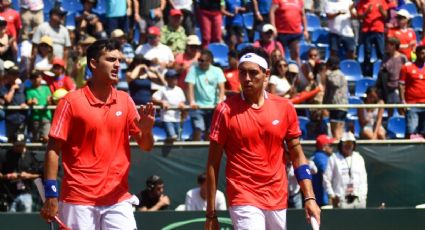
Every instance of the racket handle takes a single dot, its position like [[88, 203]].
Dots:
[[52, 226], [314, 224]]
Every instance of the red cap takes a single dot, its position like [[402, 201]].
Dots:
[[59, 61], [154, 30], [175, 12], [322, 140]]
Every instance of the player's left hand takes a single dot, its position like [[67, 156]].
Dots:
[[312, 209], [147, 117]]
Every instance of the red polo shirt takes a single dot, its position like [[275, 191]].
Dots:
[[96, 151], [414, 79], [253, 142], [407, 38], [374, 21], [62, 82], [14, 23], [288, 16]]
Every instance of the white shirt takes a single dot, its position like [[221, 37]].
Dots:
[[162, 52], [341, 24], [183, 4], [336, 178], [282, 85], [194, 201], [174, 96]]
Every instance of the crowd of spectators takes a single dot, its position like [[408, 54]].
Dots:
[[169, 58]]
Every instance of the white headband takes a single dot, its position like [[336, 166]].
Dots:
[[252, 57]]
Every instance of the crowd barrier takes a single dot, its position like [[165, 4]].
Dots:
[[365, 219]]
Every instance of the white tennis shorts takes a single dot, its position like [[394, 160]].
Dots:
[[252, 218], [81, 217]]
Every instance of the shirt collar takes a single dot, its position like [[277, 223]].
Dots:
[[266, 96], [95, 101]]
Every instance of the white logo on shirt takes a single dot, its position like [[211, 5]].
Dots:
[[53, 188], [118, 113], [275, 122]]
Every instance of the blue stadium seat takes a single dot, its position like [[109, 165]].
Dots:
[[410, 7], [324, 50], [417, 22], [159, 133], [15, 5], [136, 34], [187, 130], [303, 121], [362, 85], [3, 136], [70, 20], [256, 35], [248, 20], [219, 51], [313, 22], [376, 68], [361, 54], [320, 35], [304, 48], [100, 7], [240, 46], [48, 5], [353, 124], [396, 127], [72, 5], [351, 69], [353, 100]]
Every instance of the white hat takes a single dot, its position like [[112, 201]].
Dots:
[[193, 40], [404, 13], [348, 136], [117, 33], [268, 27], [293, 68]]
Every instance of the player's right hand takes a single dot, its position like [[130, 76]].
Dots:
[[50, 209], [211, 224]]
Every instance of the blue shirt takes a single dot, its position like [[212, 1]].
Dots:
[[116, 8], [237, 20], [140, 91], [15, 116], [320, 158], [205, 84], [264, 6]]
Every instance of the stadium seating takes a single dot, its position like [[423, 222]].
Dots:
[[396, 127], [376, 68], [362, 85], [351, 69], [320, 35], [15, 4], [353, 111], [410, 7], [3, 136], [159, 134], [417, 22], [198, 33], [70, 20], [304, 48], [240, 46], [361, 54], [187, 130], [72, 5], [219, 51], [100, 7], [313, 22], [353, 124], [248, 20], [303, 121]]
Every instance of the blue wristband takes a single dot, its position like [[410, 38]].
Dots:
[[51, 188], [302, 173]]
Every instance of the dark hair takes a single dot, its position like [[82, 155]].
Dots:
[[333, 63], [201, 178], [137, 60], [95, 50], [208, 53], [34, 74], [394, 41], [318, 67], [257, 50], [274, 66], [153, 181], [419, 49]]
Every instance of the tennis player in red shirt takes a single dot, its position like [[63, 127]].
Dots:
[[252, 129], [91, 129]]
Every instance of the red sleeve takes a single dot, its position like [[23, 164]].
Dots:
[[385, 5], [218, 131], [305, 95], [360, 7], [390, 33], [403, 73], [61, 120], [70, 84], [293, 130], [18, 22], [133, 115]]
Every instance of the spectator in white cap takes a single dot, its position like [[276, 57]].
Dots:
[[126, 49], [404, 33], [185, 60], [345, 177], [267, 40]]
